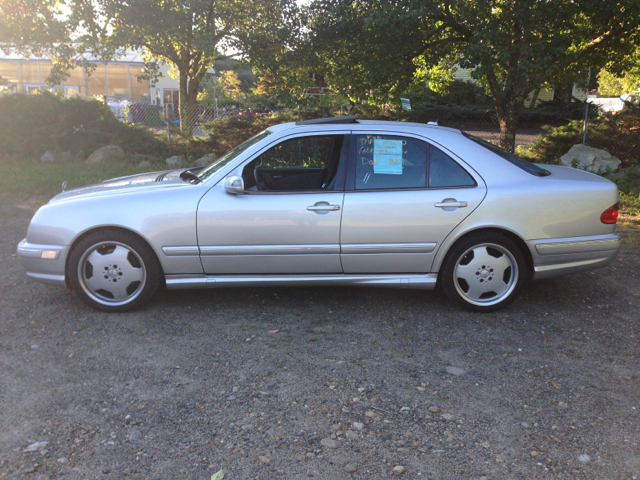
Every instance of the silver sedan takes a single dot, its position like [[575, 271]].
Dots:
[[335, 201]]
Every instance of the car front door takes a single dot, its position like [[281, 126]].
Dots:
[[403, 197], [287, 221]]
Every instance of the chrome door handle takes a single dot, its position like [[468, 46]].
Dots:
[[323, 208], [451, 204]]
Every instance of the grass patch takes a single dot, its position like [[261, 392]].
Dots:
[[30, 180]]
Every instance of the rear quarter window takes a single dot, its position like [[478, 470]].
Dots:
[[520, 162], [445, 172]]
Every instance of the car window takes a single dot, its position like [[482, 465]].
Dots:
[[445, 172], [231, 154], [303, 152], [389, 161], [303, 163], [525, 165]]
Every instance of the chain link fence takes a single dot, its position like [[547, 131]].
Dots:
[[617, 131]]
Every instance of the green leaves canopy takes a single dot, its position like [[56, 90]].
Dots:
[[370, 49]]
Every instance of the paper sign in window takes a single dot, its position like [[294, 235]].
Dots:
[[387, 156]]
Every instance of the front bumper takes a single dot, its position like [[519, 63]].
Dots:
[[44, 263], [561, 256]]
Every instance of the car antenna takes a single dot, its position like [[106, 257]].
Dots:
[[64, 185]]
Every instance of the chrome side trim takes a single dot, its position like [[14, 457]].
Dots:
[[351, 249], [426, 282], [562, 246], [271, 250], [49, 279], [184, 251], [568, 265]]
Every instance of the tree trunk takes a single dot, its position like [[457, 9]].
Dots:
[[188, 106], [508, 120], [534, 99]]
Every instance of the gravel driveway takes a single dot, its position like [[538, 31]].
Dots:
[[298, 383]]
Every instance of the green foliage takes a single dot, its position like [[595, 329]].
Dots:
[[373, 50], [610, 85], [461, 92], [25, 178], [618, 134], [32, 124]]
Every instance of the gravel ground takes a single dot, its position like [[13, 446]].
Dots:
[[298, 383]]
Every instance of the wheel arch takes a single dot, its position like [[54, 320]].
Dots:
[[520, 243], [91, 231]]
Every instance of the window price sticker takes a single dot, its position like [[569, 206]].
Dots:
[[387, 156]]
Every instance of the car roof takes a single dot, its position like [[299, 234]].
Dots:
[[356, 125]]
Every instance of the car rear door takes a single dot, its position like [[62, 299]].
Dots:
[[403, 197]]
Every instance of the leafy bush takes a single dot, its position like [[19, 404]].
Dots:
[[224, 134], [33, 124], [619, 134]]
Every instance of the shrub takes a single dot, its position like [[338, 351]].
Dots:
[[619, 134], [33, 124]]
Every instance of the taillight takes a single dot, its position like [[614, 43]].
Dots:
[[610, 215]]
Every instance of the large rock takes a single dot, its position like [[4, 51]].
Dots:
[[590, 159], [108, 154], [59, 157], [48, 157], [206, 160], [176, 161]]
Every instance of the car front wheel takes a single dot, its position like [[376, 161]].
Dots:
[[113, 270], [483, 272]]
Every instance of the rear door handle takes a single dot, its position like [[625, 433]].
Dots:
[[451, 204], [323, 208]]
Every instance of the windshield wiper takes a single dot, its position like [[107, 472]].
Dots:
[[189, 176]]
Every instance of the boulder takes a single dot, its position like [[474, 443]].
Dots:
[[144, 164], [59, 157], [48, 157], [176, 161], [590, 159], [107, 154], [206, 160]]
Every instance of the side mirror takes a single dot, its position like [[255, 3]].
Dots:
[[234, 184]]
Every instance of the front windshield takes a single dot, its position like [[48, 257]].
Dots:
[[230, 155]]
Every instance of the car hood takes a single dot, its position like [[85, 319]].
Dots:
[[114, 186]]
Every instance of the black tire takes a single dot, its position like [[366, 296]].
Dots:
[[113, 270], [483, 272]]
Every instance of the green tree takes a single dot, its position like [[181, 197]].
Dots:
[[230, 84], [188, 35], [610, 85], [372, 50]]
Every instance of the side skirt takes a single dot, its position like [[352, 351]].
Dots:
[[425, 282]]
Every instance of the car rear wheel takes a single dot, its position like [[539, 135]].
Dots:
[[113, 270], [483, 272]]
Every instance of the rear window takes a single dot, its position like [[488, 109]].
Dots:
[[525, 165]]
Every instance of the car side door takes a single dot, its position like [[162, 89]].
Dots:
[[287, 220], [403, 196]]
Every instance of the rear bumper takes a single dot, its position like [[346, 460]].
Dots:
[[44, 270], [561, 256]]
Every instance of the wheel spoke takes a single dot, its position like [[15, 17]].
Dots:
[[97, 260], [500, 264], [96, 282], [119, 256], [476, 289]]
